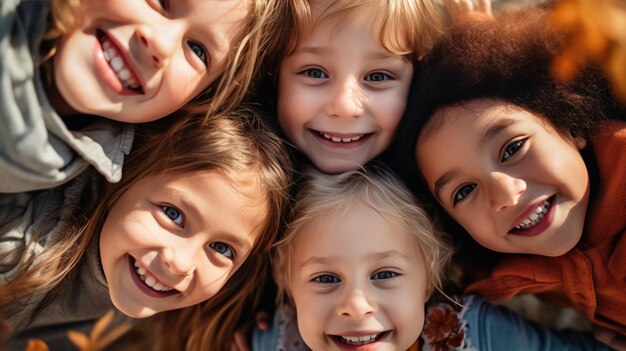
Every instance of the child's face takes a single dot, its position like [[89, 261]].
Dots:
[[137, 61], [173, 241], [358, 280], [341, 95], [507, 176]]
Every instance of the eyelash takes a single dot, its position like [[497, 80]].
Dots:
[[512, 148], [173, 213], [323, 75], [165, 4], [387, 275], [202, 55], [385, 77], [320, 278], [307, 73], [461, 194], [223, 249]]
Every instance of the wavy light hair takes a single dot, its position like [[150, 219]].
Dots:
[[257, 36], [373, 187], [403, 27], [238, 146]]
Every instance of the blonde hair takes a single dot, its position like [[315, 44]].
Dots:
[[374, 187], [236, 145], [404, 27], [257, 37]]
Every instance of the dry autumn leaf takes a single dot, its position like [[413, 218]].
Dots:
[[97, 340], [36, 345], [598, 29]]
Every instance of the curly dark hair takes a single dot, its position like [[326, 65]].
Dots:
[[508, 58]]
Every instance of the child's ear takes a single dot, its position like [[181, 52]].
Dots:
[[578, 141]]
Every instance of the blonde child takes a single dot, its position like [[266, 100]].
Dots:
[[71, 70], [357, 264], [358, 255], [343, 75], [191, 220], [528, 166]]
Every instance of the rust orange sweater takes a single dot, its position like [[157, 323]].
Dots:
[[592, 276]]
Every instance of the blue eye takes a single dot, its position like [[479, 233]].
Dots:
[[377, 77], [384, 275], [315, 73], [512, 148], [463, 192], [326, 279], [198, 50], [223, 249], [174, 214]]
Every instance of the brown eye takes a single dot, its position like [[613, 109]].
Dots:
[[511, 149], [463, 192]]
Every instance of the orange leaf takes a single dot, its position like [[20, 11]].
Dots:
[[81, 340], [101, 325], [36, 345], [111, 336]]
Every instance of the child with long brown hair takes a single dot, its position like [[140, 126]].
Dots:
[[191, 221]]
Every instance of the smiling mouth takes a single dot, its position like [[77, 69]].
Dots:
[[536, 217], [359, 340], [148, 283], [118, 65], [343, 139]]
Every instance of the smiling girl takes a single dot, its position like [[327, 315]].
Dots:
[[70, 70], [526, 165], [358, 261], [344, 75], [191, 220]]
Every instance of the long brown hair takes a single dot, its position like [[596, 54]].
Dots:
[[235, 144]]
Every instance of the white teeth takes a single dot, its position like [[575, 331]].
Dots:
[[149, 279], [117, 63], [535, 217], [342, 140], [359, 340], [123, 73]]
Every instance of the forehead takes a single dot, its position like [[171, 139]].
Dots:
[[473, 116], [373, 16], [220, 21], [236, 202], [355, 233]]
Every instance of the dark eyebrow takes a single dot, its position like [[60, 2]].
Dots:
[[497, 128], [443, 180]]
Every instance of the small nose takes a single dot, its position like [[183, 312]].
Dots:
[[505, 190], [159, 44], [355, 305], [347, 99], [179, 260]]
